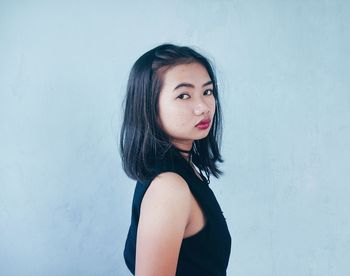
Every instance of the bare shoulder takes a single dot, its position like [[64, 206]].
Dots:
[[169, 191], [168, 184], [164, 214]]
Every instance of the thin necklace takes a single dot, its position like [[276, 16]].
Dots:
[[190, 152]]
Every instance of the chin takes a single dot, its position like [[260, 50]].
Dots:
[[202, 136]]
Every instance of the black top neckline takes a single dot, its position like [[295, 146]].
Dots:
[[185, 164]]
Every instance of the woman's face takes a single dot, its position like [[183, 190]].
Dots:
[[185, 99]]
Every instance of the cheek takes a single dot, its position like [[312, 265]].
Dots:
[[167, 113], [212, 104], [173, 117]]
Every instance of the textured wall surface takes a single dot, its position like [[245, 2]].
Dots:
[[284, 78]]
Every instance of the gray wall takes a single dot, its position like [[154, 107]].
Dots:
[[283, 70]]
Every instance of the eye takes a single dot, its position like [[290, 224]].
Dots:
[[181, 96], [209, 91]]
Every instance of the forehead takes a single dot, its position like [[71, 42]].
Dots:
[[190, 72]]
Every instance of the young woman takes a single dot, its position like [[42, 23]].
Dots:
[[169, 139]]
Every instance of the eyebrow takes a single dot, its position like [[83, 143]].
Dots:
[[186, 84]]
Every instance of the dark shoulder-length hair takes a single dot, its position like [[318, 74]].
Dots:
[[142, 141]]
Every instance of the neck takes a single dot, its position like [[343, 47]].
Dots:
[[187, 154]]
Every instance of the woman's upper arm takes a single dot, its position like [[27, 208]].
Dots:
[[165, 210]]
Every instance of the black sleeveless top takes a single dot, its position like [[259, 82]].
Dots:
[[207, 252]]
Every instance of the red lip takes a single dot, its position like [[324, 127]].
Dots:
[[204, 122]]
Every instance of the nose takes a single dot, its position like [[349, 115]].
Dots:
[[200, 109]]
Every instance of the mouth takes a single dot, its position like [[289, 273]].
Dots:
[[203, 124]]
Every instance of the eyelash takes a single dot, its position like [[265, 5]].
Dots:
[[211, 91]]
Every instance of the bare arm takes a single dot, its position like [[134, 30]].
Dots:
[[165, 211]]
